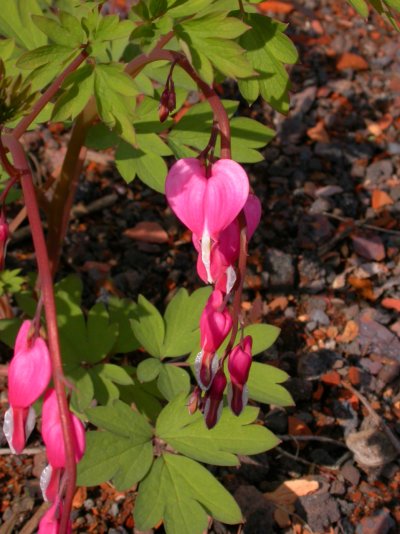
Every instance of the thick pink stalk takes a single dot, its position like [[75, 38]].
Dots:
[[46, 284]]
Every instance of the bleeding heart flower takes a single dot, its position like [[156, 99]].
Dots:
[[215, 322], [206, 205], [215, 325], [239, 363], [29, 374], [53, 439], [52, 432], [225, 252]]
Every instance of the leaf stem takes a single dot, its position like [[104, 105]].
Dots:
[[26, 121], [22, 168]]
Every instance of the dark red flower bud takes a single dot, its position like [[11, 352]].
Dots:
[[239, 363], [214, 399]]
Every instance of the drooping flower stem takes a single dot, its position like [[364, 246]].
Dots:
[[46, 285], [73, 162]]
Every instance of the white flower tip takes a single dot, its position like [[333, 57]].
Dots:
[[8, 428], [44, 482], [206, 255]]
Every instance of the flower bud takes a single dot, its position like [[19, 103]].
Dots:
[[215, 323], [53, 435], [194, 400], [29, 374], [171, 102], [239, 363], [214, 399]]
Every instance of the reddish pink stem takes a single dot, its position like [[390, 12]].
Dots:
[[46, 283], [220, 114], [24, 124]]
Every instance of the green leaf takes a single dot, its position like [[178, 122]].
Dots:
[[172, 381], [117, 374], [55, 32], [16, 22], [121, 420], [148, 370], [232, 435], [149, 327], [360, 6], [9, 330], [73, 26], [117, 80], [122, 459], [208, 40], [100, 137], [177, 489], [187, 8], [182, 318], [44, 55], [72, 102], [105, 391], [115, 107], [394, 4], [101, 334], [264, 385], [150, 167], [267, 47], [121, 311], [83, 392]]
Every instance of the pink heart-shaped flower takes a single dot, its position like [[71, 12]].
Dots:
[[206, 204]]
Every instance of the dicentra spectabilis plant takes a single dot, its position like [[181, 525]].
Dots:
[[163, 393]]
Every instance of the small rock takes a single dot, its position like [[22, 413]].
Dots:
[[316, 363], [350, 473], [379, 170], [320, 510], [379, 523], [389, 372], [256, 509], [254, 468], [277, 421], [338, 488], [371, 448], [280, 267]]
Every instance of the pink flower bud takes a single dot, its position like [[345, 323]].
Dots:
[[214, 399], [239, 363], [29, 374], [215, 322], [50, 522], [52, 432]]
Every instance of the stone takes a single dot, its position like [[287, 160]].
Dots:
[[320, 511], [380, 522], [280, 267]]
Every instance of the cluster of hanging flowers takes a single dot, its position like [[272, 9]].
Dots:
[[209, 200], [29, 376]]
